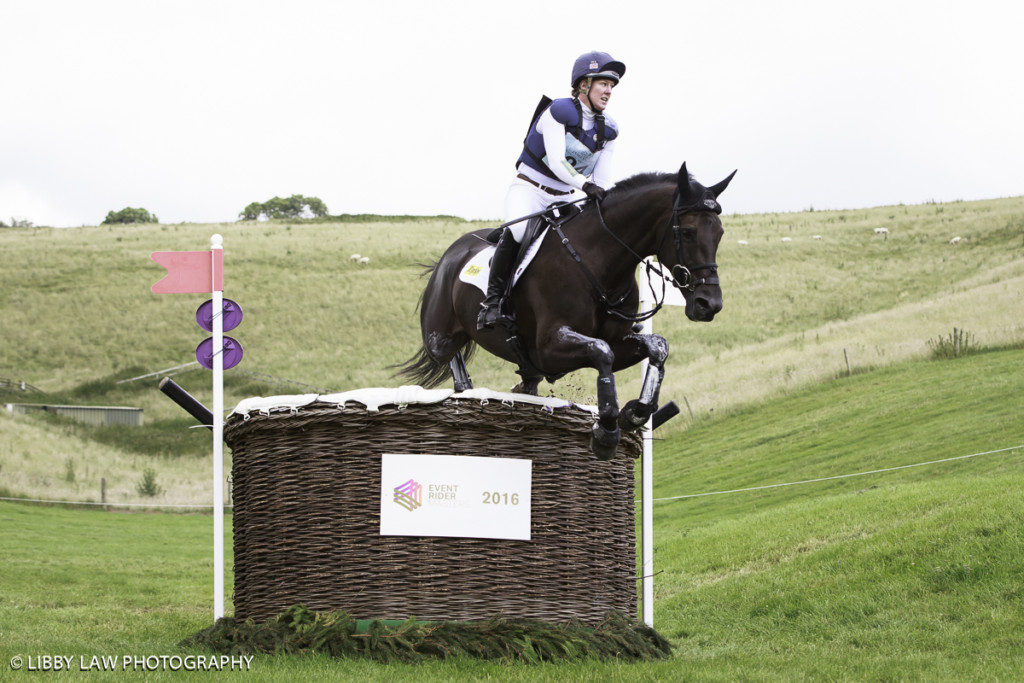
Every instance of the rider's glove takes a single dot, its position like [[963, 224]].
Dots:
[[595, 192]]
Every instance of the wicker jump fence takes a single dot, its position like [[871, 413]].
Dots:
[[307, 484]]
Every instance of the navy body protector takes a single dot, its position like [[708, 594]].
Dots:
[[534, 161]]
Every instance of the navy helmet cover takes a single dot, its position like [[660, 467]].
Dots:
[[597, 65]]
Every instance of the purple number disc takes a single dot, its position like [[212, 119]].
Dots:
[[232, 353], [232, 315]]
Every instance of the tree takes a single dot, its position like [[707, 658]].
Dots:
[[279, 207], [129, 215], [251, 212]]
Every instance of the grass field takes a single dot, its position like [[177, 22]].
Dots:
[[907, 574], [78, 316]]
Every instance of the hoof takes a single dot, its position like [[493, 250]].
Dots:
[[524, 388], [634, 415], [604, 442]]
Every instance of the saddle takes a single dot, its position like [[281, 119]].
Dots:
[[556, 215]]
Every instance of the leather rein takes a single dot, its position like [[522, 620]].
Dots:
[[681, 276]]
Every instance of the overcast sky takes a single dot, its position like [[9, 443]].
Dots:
[[194, 109]]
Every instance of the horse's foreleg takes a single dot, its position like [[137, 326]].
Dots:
[[636, 412], [527, 386], [569, 345]]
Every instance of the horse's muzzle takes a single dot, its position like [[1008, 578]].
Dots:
[[703, 304]]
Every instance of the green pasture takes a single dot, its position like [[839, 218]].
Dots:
[[77, 306], [78, 316], [819, 365], [906, 574]]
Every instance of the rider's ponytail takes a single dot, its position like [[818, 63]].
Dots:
[[582, 87]]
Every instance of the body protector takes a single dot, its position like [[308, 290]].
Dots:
[[582, 146]]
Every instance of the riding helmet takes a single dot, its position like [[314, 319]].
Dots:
[[597, 65]]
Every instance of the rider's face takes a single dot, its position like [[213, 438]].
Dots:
[[600, 93]]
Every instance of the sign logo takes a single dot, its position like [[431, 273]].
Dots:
[[409, 495], [472, 271], [593, 65]]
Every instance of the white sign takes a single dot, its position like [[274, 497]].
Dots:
[[455, 495]]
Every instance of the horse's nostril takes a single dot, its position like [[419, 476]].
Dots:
[[702, 303]]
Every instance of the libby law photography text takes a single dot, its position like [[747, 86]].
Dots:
[[131, 663]]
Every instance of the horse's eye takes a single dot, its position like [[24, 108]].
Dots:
[[688, 234]]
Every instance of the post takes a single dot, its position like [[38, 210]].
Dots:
[[646, 477], [217, 244], [103, 489]]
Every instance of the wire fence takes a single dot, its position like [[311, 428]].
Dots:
[[837, 476], [259, 376], [19, 385], [656, 500], [110, 505]]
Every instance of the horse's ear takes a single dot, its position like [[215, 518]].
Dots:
[[720, 187], [685, 189]]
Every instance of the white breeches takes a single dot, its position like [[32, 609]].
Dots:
[[522, 200]]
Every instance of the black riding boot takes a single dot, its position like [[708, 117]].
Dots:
[[501, 270]]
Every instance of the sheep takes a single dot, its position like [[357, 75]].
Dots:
[[787, 239], [741, 241], [815, 237], [955, 240], [354, 257], [364, 260], [881, 231]]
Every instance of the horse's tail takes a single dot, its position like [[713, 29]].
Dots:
[[423, 368], [427, 371]]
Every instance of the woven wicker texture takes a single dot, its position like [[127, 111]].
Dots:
[[307, 516]]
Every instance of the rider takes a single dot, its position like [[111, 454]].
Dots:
[[568, 148]]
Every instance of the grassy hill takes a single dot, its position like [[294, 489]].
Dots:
[[912, 573], [889, 575], [905, 574], [77, 305], [78, 316]]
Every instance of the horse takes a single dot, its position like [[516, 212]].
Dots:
[[577, 302]]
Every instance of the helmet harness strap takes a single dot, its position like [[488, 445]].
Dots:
[[599, 125]]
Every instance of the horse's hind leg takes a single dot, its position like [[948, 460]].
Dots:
[[459, 373], [637, 411], [447, 348]]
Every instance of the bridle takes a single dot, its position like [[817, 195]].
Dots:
[[681, 276]]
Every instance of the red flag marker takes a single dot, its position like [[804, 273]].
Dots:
[[189, 272]]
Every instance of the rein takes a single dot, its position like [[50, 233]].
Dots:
[[681, 276]]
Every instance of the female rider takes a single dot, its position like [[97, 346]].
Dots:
[[568, 148]]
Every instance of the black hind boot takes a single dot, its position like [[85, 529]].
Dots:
[[501, 270]]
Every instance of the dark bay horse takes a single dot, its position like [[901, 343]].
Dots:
[[576, 304]]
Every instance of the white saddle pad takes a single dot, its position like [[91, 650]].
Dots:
[[478, 269]]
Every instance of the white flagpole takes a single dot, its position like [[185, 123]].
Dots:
[[647, 474], [217, 245]]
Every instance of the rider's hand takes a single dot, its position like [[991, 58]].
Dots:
[[595, 192]]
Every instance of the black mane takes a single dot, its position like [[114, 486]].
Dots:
[[641, 180]]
